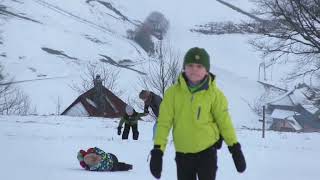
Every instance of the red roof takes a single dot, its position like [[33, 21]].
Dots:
[[114, 108]]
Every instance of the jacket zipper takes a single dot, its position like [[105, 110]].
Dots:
[[199, 108], [199, 111]]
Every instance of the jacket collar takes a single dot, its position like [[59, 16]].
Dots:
[[182, 82]]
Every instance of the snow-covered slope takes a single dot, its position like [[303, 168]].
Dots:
[[45, 148], [63, 36], [80, 31]]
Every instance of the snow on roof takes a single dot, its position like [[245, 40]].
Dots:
[[286, 115], [298, 96], [283, 99], [292, 97], [91, 102], [77, 110], [281, 114], [294, 123], [273, 84], [311, 108]]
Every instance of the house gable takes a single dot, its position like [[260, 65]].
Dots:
[[114, 106]]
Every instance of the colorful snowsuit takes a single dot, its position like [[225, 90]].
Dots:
[[109, 161]]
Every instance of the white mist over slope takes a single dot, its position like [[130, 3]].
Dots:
[[71, 28]]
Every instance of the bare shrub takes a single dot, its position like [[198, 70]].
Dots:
[[108, 74]]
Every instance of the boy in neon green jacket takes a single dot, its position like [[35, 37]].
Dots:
[[198, 113]]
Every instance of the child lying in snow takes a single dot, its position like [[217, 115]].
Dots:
[[95, 159]]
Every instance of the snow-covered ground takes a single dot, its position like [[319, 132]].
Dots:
[[45, 148]]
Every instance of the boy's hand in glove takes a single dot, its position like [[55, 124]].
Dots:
[[238, 157], [156, 162]]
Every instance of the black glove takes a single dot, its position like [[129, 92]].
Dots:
[[156, 162], [238, 157], [119, 130]]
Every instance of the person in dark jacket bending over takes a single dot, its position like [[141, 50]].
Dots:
[[152, 100], [197, 110]]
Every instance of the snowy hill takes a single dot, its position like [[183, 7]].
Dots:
[[61, 45], [45, 147], [63, 37]]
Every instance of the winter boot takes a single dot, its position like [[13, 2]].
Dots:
[[135, 135], [122, 167]]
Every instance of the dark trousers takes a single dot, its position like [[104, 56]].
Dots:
[[135, 132], [202, 164], [119, 166]]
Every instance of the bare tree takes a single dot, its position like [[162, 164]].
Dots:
[[12, 100], [155, 25], [286, 29], [109, 76], [142, 36], [241, 11], [257, 26], [294, 33], [229, 27], [163, 71]]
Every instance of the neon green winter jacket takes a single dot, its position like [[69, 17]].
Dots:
[[197, 119]]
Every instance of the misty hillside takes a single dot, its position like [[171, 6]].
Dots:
[[55, 40], [59, 42]]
